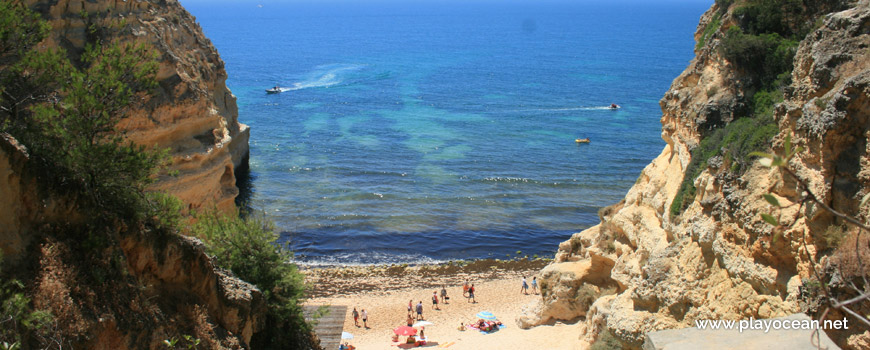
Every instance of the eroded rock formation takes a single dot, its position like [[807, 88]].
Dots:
[[192, 113], [154, 288], [717, 259], [113, 286]]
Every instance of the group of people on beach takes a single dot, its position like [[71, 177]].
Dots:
[[415, 310], [419, 307], [525, 287], [365, 318]]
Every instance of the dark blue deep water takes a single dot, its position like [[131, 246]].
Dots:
[[420, 132]]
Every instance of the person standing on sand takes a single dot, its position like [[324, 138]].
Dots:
[[465, 289], [410, 307], [444, 297], [355, 317], [420, 311], [535, 285], [525, 288], [435, 300], [365, 317], [471, 294]]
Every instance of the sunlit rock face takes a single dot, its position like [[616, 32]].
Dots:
[[192, 112], [717, 259]]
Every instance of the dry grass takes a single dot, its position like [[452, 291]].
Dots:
[[852, 254]]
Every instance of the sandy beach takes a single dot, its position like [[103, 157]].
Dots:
[[384, 293]]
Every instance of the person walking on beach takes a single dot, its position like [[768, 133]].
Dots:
[[525, 288], [435, 300], [444, 297], [365, 317], [471, 294], [410, 307], [420, 311], [465, 289], [535, 285], [355, 317]]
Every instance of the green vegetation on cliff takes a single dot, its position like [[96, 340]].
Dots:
[[761, 50], [64, 108], [65, 115], [248, 247]]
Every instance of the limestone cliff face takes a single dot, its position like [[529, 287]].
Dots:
[[718, 260], [192, 112], [154, 288]]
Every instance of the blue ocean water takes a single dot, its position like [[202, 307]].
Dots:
[[420, 132]]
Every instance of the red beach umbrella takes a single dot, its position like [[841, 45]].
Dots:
[[405, 330]]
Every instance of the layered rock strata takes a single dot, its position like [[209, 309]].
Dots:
[[168, 283], [192, 112], [718, 259]]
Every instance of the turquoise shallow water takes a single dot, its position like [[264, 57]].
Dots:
[[423, 132]]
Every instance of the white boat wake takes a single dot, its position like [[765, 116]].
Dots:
[[324, 76]]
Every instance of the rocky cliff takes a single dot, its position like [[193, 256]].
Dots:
[[652, 264], [192, 112], [124, 283], [130, 289]]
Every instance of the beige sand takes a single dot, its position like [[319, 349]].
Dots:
[[498, 291]]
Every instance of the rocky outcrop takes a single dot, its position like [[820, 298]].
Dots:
[[125, 284], [192, 113], [569, 288], [718, 259], [169, 286]]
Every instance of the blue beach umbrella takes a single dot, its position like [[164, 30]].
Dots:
[[486, 315]]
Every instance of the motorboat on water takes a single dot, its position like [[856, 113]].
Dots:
[[586, 140], [614, 106], [273, 90]]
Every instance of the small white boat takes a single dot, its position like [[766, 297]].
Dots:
[[273, 90]]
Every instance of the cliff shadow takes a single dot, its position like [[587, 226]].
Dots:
[[245, 182]]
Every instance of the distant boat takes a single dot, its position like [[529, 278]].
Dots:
[[273, 90], [586, 140], [614, 106]]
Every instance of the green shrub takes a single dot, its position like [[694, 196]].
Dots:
[[65, 113], [18, 321], [769, 16], [711, 28], [765, 56], [248, 247], [764, 46], [735, 142]]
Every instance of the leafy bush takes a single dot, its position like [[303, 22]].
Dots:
[[769, 16], [248, 247], [18, 320], [66, 114], [763, 45], [76, 141], [735, 141], [65, 111], [765, 56]]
